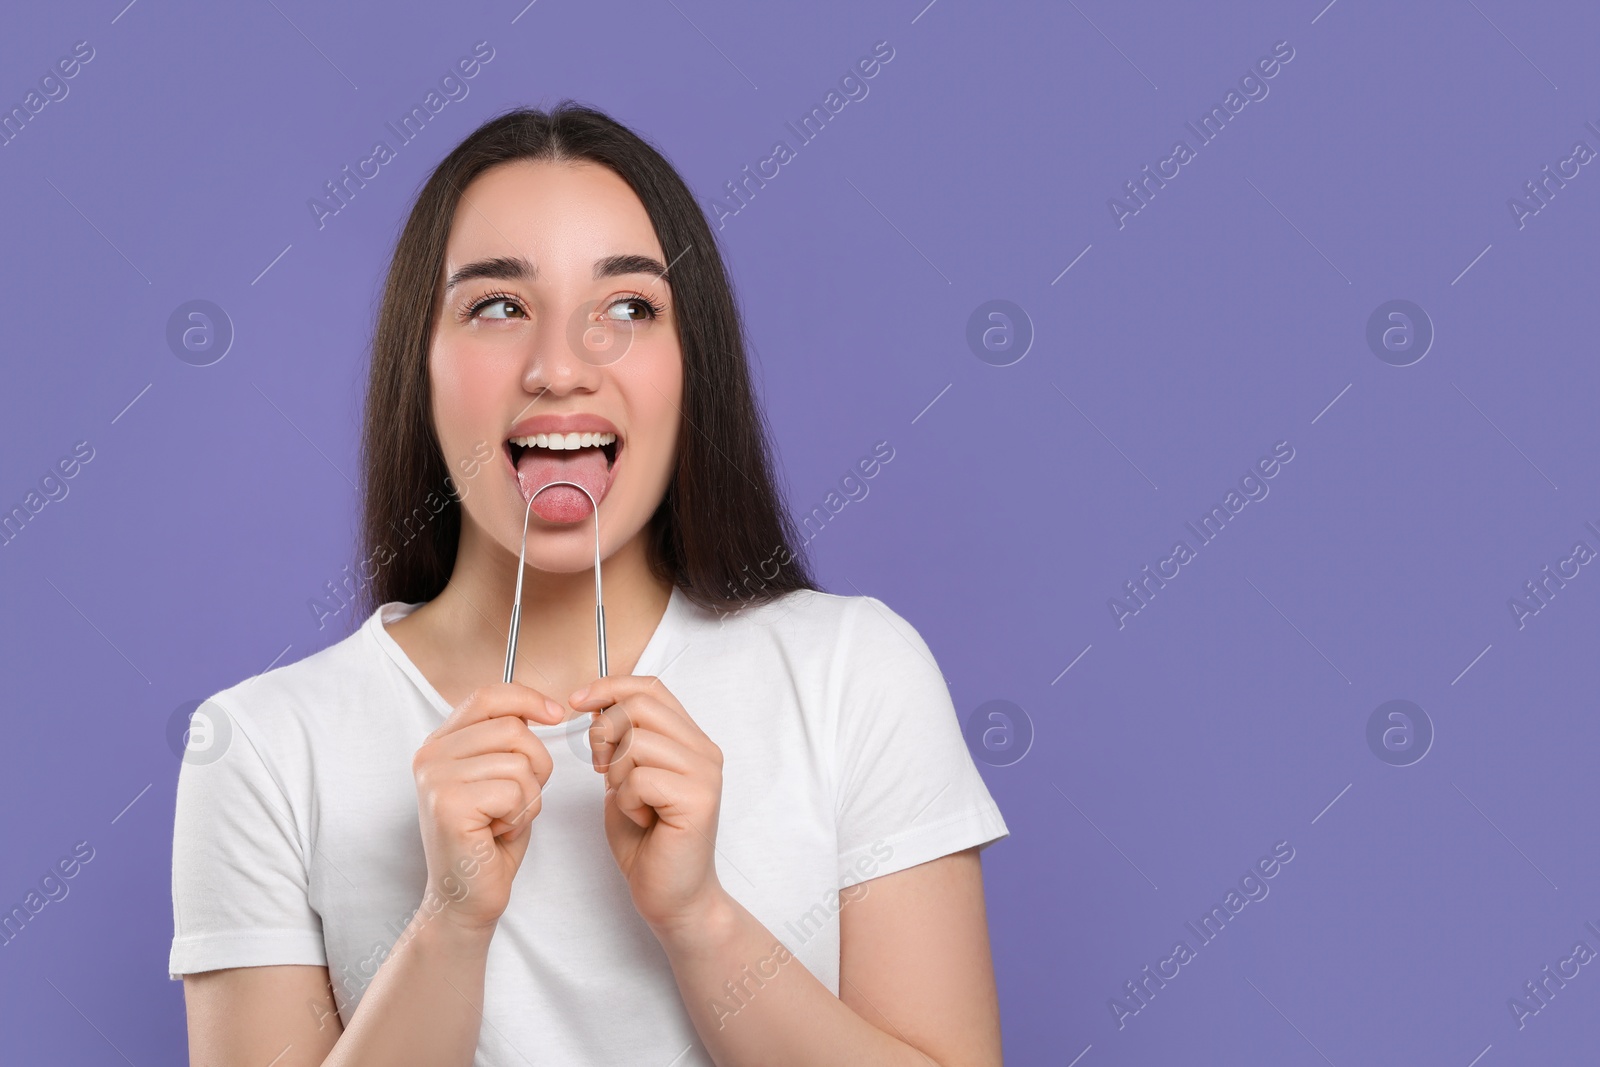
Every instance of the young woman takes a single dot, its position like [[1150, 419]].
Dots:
[[755, 841]]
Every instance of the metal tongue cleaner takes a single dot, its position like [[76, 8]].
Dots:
[[522, 560]]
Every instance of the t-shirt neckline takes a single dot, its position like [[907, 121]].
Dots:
[[649, 660]]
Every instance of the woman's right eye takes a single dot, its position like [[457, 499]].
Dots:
[[498, 307]]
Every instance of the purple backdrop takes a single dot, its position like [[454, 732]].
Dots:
[[1169, 319]]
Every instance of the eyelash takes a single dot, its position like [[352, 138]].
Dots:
[[471, 310]]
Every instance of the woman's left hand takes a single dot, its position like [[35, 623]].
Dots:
[[664, 791]]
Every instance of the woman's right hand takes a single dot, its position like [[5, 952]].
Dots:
[[479, 780]]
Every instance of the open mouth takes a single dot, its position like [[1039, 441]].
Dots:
[[586, 458], [607, 443]]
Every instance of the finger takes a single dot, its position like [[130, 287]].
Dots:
[[499, 804], [649, 749], [651, 793], [651, 712], [616, 688], [501, 698], [512, 766], [608, 734], [503, 733]]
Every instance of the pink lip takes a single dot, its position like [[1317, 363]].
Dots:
[[578, 422]]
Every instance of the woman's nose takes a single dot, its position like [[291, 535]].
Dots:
[[567, 353]]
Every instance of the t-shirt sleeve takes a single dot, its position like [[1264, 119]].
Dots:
[[239, 871], [909, 791]]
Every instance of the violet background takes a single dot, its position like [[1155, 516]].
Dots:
[[1228, 315]]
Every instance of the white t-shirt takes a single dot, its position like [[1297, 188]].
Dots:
[[297, 838]]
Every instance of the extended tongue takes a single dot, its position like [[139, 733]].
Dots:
[[562, 503]]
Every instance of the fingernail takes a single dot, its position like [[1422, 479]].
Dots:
[[580, 694], [554, 709]]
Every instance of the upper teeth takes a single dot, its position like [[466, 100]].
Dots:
[[564, 440]]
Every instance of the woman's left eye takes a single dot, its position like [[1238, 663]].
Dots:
[[497, 309], [645, 309]]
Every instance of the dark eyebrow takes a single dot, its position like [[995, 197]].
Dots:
[[516, 268], [508, 268], [630, 264]]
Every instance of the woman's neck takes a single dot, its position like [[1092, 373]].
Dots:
[[457, 640]]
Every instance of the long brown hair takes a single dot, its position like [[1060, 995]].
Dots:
[[720, 516]]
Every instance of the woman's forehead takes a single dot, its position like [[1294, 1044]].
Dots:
[[557, 215]]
